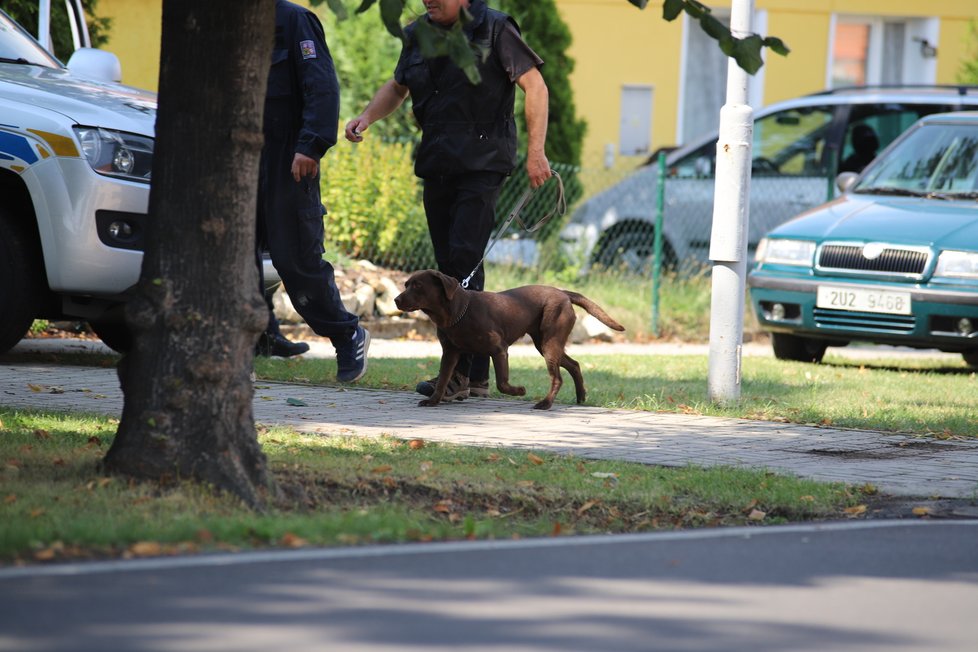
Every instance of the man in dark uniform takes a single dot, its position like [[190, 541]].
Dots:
[[468, 143], [301, 115]]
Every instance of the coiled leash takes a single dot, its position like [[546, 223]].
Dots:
[[559, 209]]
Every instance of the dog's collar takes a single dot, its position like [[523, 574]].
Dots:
[[461, 314]]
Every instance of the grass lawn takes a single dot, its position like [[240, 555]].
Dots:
[[55, 505]]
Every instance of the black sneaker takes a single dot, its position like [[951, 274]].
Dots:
[[457, 389], [351, 356], [279, 346]]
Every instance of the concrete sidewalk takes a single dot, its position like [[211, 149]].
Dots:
[[896, 464]]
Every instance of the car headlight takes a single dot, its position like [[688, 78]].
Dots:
[[116, 153], [957, 264], [785, 252]]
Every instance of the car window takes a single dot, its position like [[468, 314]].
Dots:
[[936, 158], [786, 143], [791, 142], [872, 127], [16, 46]]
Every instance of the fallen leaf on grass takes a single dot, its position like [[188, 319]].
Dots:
[[416, 444], [36, 388], [10, 499], [296, 402], [756, 515], [557, 529], [41, 433], [586, 506], [290, 540], [807, 499], [922, 511], [443, 506], [600, 474], [535, 459], [855, 511], [383, 468], [145, 549]]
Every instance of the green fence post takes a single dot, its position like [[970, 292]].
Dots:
[[660, 201]]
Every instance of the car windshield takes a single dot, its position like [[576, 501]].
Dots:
[[17, 46], [935, 160]]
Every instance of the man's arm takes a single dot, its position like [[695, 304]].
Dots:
[[385, 101], [537, 113], [320, 95]]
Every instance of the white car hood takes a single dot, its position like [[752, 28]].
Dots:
[[84, 101]]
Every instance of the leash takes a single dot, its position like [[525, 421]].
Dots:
[[559, 209]]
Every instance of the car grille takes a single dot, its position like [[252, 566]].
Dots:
[[893, 259], [865, 321]]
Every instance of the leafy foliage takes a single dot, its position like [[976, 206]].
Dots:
[[374, 205], [746, 51], [25, 12]]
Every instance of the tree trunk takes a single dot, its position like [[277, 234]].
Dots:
[[197, 312]]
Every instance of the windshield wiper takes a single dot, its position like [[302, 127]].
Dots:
[[890, 190], [18, 60]]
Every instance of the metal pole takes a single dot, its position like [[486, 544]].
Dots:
[[728, 241], [44, 24], [660, 201]]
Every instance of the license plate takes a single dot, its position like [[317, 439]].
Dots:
[[860, 300]]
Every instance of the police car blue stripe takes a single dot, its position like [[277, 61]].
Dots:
[[14, 145]]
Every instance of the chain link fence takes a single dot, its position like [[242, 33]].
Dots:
[[606, 242]]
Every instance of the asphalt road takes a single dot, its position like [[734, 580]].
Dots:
[[852, 586]]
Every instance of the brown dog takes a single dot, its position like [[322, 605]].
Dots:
[[488, 322]]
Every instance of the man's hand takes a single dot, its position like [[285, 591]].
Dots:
[[538, 169], [354, 129], [303, 166]]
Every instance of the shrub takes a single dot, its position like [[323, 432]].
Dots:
[[374, 205]]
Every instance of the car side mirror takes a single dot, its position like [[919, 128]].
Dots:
[[845, 180], [96, 64]]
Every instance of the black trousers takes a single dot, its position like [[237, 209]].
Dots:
[[290, 225], [461, 213]]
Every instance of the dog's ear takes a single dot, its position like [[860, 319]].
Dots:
[[449, 284]]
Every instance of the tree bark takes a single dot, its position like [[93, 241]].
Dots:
[[197, 311]]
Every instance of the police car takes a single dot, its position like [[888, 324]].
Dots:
[[75, 161]]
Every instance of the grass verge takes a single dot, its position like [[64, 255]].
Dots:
[[55, 505]]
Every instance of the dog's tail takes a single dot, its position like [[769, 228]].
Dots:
[[594, 309]]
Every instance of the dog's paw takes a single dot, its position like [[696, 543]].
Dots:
[[543, 405], [428, 403]]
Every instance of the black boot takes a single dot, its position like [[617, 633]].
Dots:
[[279, 346]]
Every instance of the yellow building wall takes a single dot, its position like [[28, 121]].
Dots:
[[616, 44], [134, 37]]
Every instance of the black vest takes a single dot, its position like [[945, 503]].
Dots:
[[465, 127]]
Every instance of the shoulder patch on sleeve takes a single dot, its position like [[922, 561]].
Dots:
[[308, 49]]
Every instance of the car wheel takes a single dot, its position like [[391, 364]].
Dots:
[[971, 358], [114, 334], [631, 248], [800, 349], [21, 282]]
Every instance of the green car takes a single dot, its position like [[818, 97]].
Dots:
[[894, 260]]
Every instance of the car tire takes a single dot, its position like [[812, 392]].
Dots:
[[970, 358], [21, 282], [630, 248], [115, 334], [799, 349]]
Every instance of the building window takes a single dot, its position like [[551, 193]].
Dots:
[[635, 132], [850, 54]]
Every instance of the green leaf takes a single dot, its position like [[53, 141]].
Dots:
[[296, 402], [390, 13], [776, 45], [747, 53], [641, 4], [714, 27], [367, 4], [672, 8], [338, 8]]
